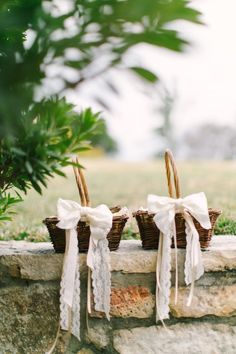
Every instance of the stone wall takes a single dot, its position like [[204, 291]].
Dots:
[[29, 306]]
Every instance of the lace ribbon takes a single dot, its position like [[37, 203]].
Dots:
[[98, 260], [165, 210]]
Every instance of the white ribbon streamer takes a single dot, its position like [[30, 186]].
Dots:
[[100, 222], [165, 209]]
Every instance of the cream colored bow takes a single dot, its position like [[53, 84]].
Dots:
[[165, 210], [100, 222]]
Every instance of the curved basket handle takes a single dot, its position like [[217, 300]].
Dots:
[[82, 185], [170, 164]]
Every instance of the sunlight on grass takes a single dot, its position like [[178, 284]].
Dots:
[[127, 184]]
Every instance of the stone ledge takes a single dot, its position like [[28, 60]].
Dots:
[[29, 293], [37, 261]]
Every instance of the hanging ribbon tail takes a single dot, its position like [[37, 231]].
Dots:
[[158, 285], [190, 297], [159, 262], [98, 258], [70, 286], [90, 260], [176, 262], [89, 310], [194, 268], [99, 262], [69, 290], [165, 209], [90, 256], [100, 222], [163, 276]]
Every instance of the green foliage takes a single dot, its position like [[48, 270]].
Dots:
[[225, 226], [130, 234], [98, 31], [39, 131], [42, 143], [146, 74], [22, 231], [6, 203]]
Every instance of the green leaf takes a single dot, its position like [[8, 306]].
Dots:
[[38, 138], [145, 74], [5, 218], [28, 167], [18, 151], [59, 173]]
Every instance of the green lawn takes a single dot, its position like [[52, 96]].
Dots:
[[127, 184]]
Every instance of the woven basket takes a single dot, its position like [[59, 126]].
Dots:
[[150, 233], [57, 235]]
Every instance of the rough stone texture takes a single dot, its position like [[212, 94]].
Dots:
[[29, 317], [132, 301], [131, 258], [217, 301], [85, 351], [198, 338], [33, 267], [98, 335], [139, 302], [32, 261], [29, 260], [29, 303]]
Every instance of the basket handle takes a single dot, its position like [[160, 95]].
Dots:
[[170, 164], [82, 185]]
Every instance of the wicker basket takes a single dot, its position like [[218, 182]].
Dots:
[[148, 230], [57, 235]]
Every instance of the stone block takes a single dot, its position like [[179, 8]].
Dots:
[[29, 318], [98, 336], [133, 301], [85, 351], [198, 338], [213, 300]]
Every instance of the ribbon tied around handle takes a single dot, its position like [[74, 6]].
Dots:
[[100, 222], [165, 209]]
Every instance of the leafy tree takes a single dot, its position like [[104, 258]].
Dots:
[[47, 47], [42, 143]]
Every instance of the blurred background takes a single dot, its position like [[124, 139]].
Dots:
[[191, 109], [185, 101]]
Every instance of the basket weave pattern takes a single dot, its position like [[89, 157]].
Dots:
[[57, 235], [83, 231], [149, 232]]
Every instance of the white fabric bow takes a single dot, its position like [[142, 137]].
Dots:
[[165, 210], [100, 222]]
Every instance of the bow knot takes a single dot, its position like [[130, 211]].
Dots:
[[99, 218], [100, 222], [179, 207], [165, 209], [84, 211]]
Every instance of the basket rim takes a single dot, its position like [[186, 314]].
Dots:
[[54, 218], [145, 212]]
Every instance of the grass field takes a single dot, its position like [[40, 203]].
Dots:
[[127, 184]]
